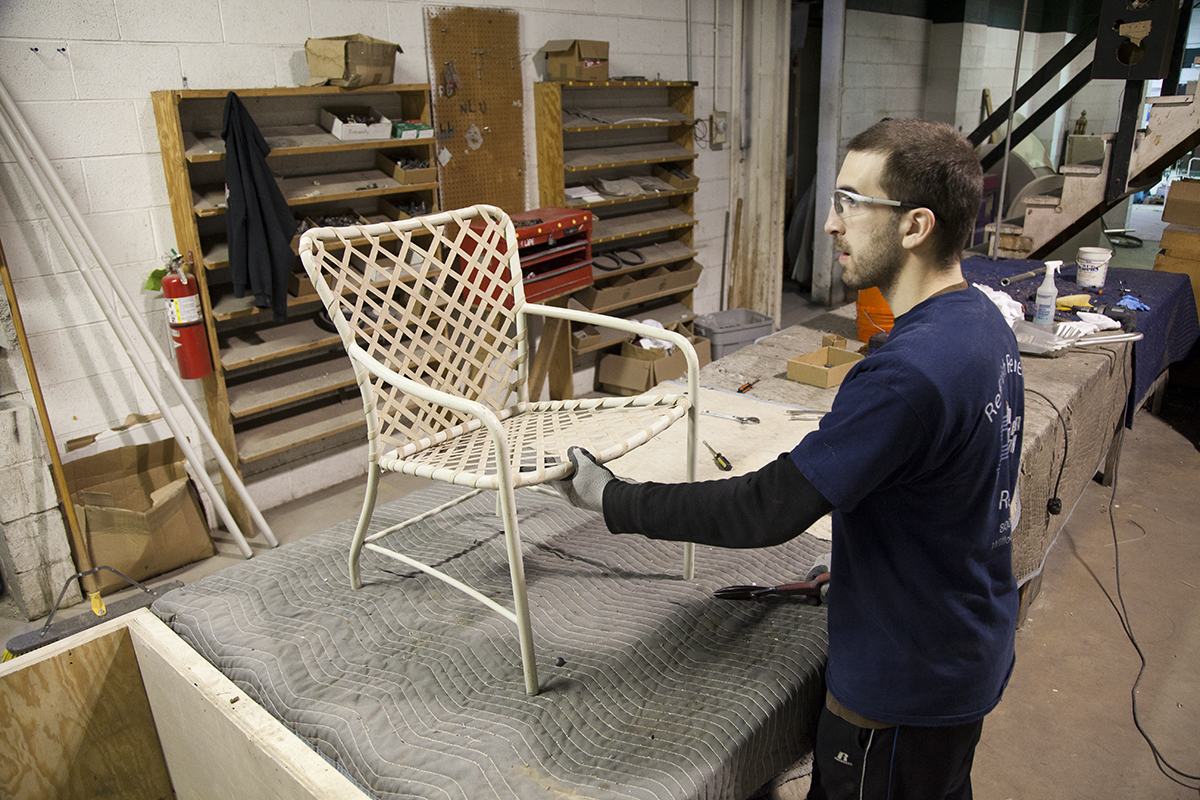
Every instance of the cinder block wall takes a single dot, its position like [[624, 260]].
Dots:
[[902, 66], [82, 72]]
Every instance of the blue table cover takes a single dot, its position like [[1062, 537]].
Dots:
[[1170, 328]]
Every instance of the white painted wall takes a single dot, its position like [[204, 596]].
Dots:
[[82, 72]]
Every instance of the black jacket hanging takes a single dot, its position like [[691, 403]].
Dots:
[[259, 224]]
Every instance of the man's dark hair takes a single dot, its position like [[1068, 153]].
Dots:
[[929, 164]]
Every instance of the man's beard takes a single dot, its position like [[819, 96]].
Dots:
[[876, 263]]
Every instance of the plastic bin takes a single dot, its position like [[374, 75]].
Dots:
[[732, 329]]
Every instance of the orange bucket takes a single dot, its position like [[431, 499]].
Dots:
[[874, 314]]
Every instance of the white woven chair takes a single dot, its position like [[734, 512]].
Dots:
[[432, 313]]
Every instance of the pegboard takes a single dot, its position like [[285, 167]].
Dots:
[[475, 69]]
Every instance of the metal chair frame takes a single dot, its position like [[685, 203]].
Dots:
[[432, 313]]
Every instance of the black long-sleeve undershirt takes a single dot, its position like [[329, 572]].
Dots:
[[759, 509]]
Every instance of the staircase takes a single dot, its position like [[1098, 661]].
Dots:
[[1172, 131]]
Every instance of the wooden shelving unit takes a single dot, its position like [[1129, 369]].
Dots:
[[280, 388], [589, 132]]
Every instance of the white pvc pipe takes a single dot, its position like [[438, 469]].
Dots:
[[26, 136]]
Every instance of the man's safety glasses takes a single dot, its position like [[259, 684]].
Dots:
[[847, 204]]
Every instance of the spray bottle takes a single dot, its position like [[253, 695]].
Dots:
[[1047, 296]]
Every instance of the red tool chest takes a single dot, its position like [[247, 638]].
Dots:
[[555, 247]]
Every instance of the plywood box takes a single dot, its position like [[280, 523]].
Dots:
[[127, 710]]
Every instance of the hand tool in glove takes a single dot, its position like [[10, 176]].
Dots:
[[814, 589]]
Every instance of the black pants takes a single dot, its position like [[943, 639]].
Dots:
[[901, 763]]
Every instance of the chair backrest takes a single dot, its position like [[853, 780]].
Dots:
[[435, 299]]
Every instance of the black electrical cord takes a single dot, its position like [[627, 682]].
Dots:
[[1054, 504], [1122, 614]]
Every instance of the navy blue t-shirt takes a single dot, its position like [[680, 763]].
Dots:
[[920, 455]]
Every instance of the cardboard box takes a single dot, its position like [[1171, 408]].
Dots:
[[638, 369], [690, 182], [1181, 241], [823, 367], [387, 164], [411, 129], [1183, 203], [380, 128], [1183, 266], [350, 61], [139, 512], [576, 60], [833, 340]]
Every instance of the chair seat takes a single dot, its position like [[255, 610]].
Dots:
[[538, 435]]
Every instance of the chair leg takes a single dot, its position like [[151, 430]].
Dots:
[[689, 549], [516, 568], [364, 522]]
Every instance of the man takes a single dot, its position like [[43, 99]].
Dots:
[[918, 460]]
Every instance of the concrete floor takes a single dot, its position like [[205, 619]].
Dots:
[[1065, 727]]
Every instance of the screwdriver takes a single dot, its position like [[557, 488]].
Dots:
[[721, 461]]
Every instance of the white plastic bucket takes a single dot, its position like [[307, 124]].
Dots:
[[1092, 266]]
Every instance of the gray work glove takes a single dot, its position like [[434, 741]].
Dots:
[[584, 489], [820, 566]]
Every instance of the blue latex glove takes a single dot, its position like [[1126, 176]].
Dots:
[[1132, 303]]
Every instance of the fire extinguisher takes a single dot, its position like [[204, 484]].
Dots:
[[186, 322]]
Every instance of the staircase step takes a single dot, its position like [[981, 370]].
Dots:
[[1084, 170], [1042, 200]]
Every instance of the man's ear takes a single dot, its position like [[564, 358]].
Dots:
[[916, 227]]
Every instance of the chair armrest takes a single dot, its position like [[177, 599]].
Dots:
[[679, 340], [592, 318], [451, 401]]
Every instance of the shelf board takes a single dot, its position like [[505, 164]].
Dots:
[[244, 348], [287, 140], [622, 84], [608, 119], [616, 228], [674, 290], [656, 255], [610, 200], [629, 155], [209, 201], [300, 429], [293, 386], [305, 91]]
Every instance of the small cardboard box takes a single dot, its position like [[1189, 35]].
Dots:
[[576, 60], [411, 129], [823, 367], [380, 128], [1183, 203], [300, 285], [690, 182], [637, 369], [139, 512], [833, 340], [350, 61], [386, 162]]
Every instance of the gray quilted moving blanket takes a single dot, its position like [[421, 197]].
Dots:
[[651, 688]]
